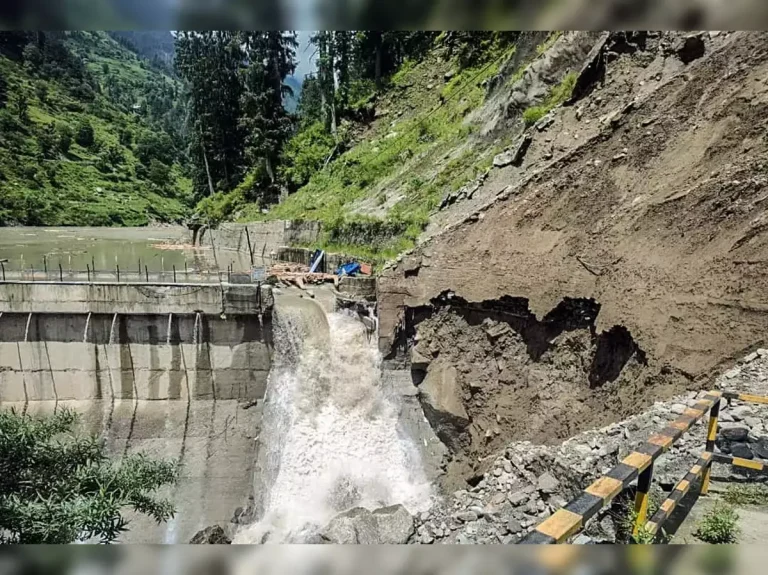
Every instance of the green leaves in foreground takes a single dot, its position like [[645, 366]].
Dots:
[[59, 487], [719, 525]]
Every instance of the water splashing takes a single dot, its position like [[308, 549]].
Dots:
[[196, 330], [330, 437], [112, 329], [87, 324]]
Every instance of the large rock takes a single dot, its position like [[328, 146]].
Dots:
[[760, 448], [441, 397], [213, 535], [735, 434], [395, 525], [356, 526], [690, 48], [387, 525]]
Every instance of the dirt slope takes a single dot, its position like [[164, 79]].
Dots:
[[648, 195]]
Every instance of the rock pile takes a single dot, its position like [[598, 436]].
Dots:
[[527, 483]]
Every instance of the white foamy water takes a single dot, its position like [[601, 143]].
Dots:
[[330, 438]]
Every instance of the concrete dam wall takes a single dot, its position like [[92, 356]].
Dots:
[[168, 370]]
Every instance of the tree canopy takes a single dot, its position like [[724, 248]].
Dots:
[[57, 486]]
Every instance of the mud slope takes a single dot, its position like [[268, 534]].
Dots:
[[656, 210]]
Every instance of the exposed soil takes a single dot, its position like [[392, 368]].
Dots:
[[524, 379], [648, 199]]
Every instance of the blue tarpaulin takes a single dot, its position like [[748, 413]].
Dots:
[[350, 269]]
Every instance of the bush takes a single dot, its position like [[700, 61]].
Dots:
[[48, 142], [533, 115], [305, 153], [58, 487], [220, 206], [719, 525], [159, 174], [85, 136], [65, 138]]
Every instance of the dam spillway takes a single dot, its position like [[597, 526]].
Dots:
[[167, 370]]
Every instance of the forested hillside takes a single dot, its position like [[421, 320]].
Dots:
[[129, 128], [90, 133], [379, 134]]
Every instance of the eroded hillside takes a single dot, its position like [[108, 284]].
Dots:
[[645, 199]]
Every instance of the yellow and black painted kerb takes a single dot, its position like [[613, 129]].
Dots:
[[729, 395], [677, 494], [569, 520], [752, 464]]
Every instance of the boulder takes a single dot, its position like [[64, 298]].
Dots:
[[760, 448], [690, 48], [741, 450], [441, 397], [739, 434], [356, 526], [213, 535], [395, 525], [547, 483]]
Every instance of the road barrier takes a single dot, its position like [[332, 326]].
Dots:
[[638, 465]]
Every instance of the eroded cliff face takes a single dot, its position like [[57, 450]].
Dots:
[[646, 196], [491, 373]]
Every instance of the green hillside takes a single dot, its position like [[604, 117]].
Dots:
[[90, 133]]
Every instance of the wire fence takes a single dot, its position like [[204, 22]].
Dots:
[[117, 275]]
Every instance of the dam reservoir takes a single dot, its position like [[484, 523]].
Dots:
[[274, 403]]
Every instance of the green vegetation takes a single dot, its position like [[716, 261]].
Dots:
[[719, 525], [557, 96], [60, 487], [414, 145], [747, 494], [71, 97]]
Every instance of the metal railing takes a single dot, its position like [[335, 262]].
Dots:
[[638, 466], [118, 275]]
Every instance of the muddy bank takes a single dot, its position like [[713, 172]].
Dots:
[[491, 373]]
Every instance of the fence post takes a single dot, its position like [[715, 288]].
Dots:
[[711, 436], [174, 273], [146, 273], [2, 264], [641, 498], [88, 269], [61, 273], [118, 273], [45, 266]]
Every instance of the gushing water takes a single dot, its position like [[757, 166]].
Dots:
[[26, 329], [330, 437], [87, 324], [112, 330], [196, 329]]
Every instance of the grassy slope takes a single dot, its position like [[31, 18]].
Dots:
[[403, 170], [71, 190]]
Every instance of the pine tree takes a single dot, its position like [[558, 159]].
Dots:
[[270, 57], [210, 62]]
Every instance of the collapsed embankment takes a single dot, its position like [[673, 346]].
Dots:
[[647, 197]]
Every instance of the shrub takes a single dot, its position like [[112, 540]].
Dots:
[[533, 115], [85, 136], [65, 138], [58, 487], [159, 174], [719, 525], [47, 141]]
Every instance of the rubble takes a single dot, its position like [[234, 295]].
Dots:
[[528, 482]]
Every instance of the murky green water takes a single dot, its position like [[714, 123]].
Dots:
[[74, 248]]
